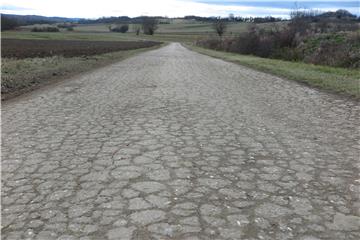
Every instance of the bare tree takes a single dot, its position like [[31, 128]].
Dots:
[[137, 29], [149, 25], [300, 21], [220, 26]]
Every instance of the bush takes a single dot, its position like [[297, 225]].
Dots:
[[288, 54], [246, 43], [120, 28], [149, 25], [331, 54], [45, 29], [338, 50]]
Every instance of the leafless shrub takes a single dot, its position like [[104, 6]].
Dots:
[[219, 25]]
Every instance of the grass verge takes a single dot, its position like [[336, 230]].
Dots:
[[337, 80], [23, 75]]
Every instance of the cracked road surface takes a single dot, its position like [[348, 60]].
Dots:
[[171, 144]]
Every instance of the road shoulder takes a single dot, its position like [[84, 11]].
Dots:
[[341, 81]]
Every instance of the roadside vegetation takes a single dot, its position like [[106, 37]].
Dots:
[[321, 50], [38, 62], [330, 39], [337, 80]]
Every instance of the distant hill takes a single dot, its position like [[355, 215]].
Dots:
[[120, 19], [35, 19], [339, 14]]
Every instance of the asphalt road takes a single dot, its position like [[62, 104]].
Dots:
[[171, 144]]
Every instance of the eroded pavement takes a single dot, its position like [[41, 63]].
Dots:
[[171, 144]]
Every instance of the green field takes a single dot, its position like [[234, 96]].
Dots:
[[337, 80], [67, 36]]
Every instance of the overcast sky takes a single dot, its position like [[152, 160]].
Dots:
[[170, 8]]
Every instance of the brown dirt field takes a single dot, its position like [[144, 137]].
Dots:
[[20, 48]]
